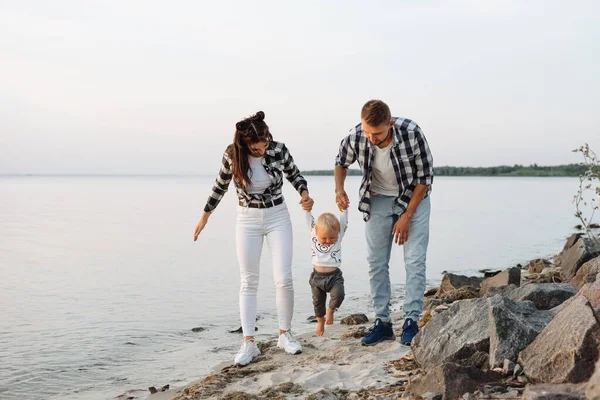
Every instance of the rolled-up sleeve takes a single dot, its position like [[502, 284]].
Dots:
[[423, 159], [346, 154], [220, 187], [292, 173]]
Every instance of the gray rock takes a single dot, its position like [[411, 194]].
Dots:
[[451, 282], [518, 370], [500, 290], [566, 350], [513, 326], [586, 273], [355, 319], [544, 295], [487, 273], [511, 394], [452, 380], [554, 392], [573, 258], [239, 330], [454, 335], [198, 329], [508, 367], [432, 396], [593, 386], [431, 303], [312, 319], [506, 277]]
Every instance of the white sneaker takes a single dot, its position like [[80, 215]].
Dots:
[[288, 342], [248, 352]]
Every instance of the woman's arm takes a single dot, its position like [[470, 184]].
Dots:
[[218, 191], [292, 173]]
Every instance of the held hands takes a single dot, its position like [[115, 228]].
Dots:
[[306, 201], [400, 230], [201, 224], [342, 200]]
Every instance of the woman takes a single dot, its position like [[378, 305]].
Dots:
[[256, 164]]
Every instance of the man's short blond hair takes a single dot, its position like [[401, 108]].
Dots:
[[328, 222]]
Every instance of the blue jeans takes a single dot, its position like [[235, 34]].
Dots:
[[384, 214]]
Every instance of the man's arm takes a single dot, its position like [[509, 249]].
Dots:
[[341, 197], [346, 157], [414, 202]]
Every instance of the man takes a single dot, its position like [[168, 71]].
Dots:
[[394, 198]]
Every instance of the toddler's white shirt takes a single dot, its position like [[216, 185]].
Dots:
[[326, 255]]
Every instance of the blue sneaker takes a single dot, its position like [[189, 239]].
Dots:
[[378, 333], [409, 331]]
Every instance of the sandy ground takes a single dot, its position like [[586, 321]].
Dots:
[[334, 361]]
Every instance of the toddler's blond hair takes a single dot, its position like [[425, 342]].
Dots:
[[328, 222]]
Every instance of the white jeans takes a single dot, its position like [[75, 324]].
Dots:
[[253, 226]]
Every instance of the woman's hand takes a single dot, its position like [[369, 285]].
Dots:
[[201, 224], [306, 201]]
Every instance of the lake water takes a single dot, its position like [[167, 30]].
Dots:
[[101, 282]]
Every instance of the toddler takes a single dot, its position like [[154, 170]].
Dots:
[[326, 235]]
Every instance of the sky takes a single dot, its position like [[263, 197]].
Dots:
[[156, 87]]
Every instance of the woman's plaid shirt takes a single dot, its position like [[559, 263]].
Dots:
[[411, 159], [277, 161]]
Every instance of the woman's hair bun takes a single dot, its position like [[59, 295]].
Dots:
[[245, 124], [242, 125]]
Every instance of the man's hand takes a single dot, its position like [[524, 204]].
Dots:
[[342, 200], [401, 228], [306, 202]]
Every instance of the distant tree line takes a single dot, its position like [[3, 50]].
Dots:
[[501, 170]]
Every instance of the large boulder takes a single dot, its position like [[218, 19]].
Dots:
[[566, 350], [573, 258], [571, 241], [544, 295], [564, 391], [451, 282], [507, 277], [586, 273], [513, 326], [500, 290], [452, 381], [454, 335], [590, 291]]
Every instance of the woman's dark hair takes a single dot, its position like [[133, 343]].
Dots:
[[250, 130]]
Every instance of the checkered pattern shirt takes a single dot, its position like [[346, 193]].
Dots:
[[277, 161], [411, 159]]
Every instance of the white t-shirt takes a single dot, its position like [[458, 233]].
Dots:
[[259, 177], [383, 178], [326, 255]]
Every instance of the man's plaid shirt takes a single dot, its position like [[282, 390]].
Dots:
[[277, 161], [411, 159]]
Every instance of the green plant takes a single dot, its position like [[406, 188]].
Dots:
[[587, 197]]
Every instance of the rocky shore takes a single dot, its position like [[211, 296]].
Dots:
[[529, 332]]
